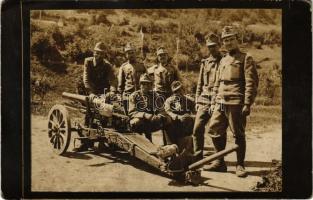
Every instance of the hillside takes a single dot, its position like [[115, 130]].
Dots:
[[61, 39]]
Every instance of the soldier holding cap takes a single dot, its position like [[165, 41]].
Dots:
[[146, 111], [205, 85], [163, 74], [234, 92], [180, 109], [98, 73], [129, 74]]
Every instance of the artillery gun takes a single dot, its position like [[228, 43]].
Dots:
[[107, 124]]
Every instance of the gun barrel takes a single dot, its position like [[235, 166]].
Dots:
[[75, 97], [215, 156]]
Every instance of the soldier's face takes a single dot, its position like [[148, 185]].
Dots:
[[213, 50], [130, 55], [145, 87], [162, 58], [98, 55], [230, 43]]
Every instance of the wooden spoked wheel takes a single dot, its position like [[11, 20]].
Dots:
[[59, 129]]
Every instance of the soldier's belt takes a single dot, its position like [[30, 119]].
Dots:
[[232, 81]]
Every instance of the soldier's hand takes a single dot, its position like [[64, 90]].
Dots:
[[246, 110], [92, 96]]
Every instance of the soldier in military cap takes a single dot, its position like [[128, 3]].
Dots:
[[146, 110], [98, 77], [98, 73], [205, 85], [180, 109], [163, 74], [129, 74], [234, 92]]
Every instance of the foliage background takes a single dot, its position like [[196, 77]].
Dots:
[[61, 39]]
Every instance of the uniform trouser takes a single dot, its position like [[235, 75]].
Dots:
[[202, 118], [179, 133], [142, 125], [229, 116]]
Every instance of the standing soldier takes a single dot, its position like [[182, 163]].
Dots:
[[98, 76], [235, 91], [205, 85], [146, 110], [129, 74], [163, 74], [180, 109], [98, 73]]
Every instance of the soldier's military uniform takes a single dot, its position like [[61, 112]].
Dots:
[[180, 109], [163, 76], [128, 77], [236, 87], [98, 76], [207, 77], [146, 111]]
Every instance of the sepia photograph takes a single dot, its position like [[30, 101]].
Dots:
[[156, 100]]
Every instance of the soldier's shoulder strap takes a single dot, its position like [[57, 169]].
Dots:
[[204, 60], [89, 59], [107, 62]]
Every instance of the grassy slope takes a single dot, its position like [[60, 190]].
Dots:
[[66, 82]]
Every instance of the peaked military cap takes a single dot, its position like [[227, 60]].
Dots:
[[161, 50], [99, 47], [176, 85], [212, 40], [129, 47], [145, 78], [228, 31]]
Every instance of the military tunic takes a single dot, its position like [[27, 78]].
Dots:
[[128, 77], [98, 76], [142, 108], [163, 78], [236, 86], [204, 92]]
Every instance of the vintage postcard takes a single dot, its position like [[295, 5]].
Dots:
[[156, 100]]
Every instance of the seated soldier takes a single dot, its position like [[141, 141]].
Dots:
[[146, 112], [180, 109]]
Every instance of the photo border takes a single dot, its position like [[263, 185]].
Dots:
[[296, 97]]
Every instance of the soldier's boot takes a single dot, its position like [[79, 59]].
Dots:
[[218, 165], [241, 152], [198, 144]]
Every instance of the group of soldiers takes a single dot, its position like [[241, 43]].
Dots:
[[154, 98]]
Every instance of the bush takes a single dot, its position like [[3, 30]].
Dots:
[[44, 47]]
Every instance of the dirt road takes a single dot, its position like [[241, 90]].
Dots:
[[107, 171]]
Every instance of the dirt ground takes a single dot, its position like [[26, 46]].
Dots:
[[116, 171]]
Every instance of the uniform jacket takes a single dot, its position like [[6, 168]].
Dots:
[[163, 77], [98, 76], [237, 79], [207, 77], [128, 77], [177, 105], [150, 103]]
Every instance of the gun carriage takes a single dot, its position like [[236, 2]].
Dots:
[[107, 124]]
